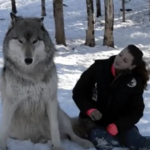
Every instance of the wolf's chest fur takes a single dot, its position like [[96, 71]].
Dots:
[[31, 96]]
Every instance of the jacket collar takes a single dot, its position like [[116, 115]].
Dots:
[[125, 72]]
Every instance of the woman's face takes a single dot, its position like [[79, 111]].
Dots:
[[124, 60]]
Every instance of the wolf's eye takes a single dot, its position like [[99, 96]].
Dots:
[[35, 41], [20, 41]]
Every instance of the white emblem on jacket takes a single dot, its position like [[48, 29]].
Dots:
[[132, 83], [94, 93]]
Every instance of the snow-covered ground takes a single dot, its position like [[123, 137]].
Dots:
[[72, 60]]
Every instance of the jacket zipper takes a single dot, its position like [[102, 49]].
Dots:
[[115, 79], [111, 87]]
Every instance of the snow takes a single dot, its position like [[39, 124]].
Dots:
[[72, 60]]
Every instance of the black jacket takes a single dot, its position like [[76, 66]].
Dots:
[[119, 99]]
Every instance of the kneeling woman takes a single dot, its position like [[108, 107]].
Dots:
[[110, 93]]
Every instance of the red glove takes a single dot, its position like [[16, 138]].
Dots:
[[112, 129], [90, 111], [94, 114]]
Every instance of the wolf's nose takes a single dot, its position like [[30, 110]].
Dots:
[[28, 61]]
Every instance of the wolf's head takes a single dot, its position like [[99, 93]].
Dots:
[[27, 44]]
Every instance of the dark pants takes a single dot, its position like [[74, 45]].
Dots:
[[132, 139]]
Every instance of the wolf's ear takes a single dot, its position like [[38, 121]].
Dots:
[[41, 20], [13, 20], [13, 17]]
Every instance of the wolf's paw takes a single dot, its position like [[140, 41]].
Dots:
[[57, 148], [43, 140], [3, 147], [3, 144]]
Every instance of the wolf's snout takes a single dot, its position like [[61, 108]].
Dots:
[[28, 61]]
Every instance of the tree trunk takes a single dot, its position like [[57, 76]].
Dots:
[[43, 9], [13, 4], [149, 9], [109, 22], [123, 10], [59, 22], [90, 39], [98, 6]]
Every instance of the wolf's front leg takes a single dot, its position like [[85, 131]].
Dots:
[[52, 110], [8, 110]]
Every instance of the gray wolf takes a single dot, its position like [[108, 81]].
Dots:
[[29, 87]]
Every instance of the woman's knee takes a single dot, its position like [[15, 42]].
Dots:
[[133, 139], [102, 139]]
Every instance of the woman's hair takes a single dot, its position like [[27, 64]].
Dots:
[[141, 66]]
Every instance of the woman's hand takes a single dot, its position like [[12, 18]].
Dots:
[[112, 129], [94, 114]]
